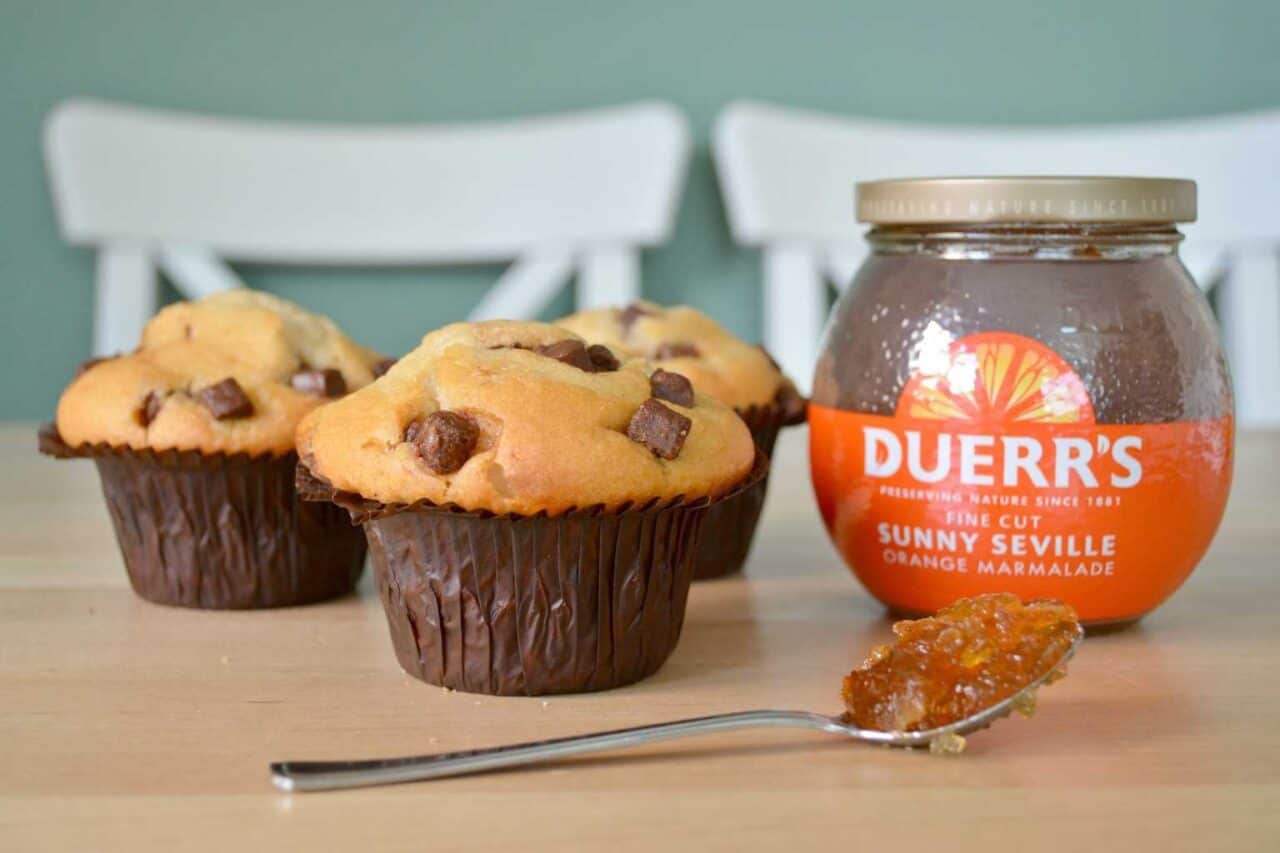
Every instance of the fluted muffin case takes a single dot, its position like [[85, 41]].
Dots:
[[218, 531], [579, 601], [731, 530]]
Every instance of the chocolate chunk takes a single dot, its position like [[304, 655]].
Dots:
[[381, 366], [676, 349], [571, 352], [659, 428], [769, 355], [602, 359], [226, 400], [445, 440], [671, 387], [317, 382], [150, 408], [631, 313]]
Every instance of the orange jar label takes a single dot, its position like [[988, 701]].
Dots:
[[993, 476]]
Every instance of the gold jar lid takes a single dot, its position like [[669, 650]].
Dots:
[[917, 201]]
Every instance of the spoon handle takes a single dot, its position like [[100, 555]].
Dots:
[[328, 775]]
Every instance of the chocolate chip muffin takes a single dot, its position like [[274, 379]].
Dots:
[[193, 435], [531, 503], [740, 375]]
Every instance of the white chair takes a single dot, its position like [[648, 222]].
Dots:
[[787, 178], [560, 195]]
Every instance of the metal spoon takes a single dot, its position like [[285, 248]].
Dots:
[[328, 775]]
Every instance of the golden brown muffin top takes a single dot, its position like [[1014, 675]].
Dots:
[[230, 373], [687, 341], [523, 418]]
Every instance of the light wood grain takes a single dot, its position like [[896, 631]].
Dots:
[[125, 725]]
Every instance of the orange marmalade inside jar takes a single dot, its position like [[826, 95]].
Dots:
[[1023, 391]]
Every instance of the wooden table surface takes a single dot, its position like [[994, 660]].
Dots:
[[127, 725]]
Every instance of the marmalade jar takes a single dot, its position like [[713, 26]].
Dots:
[[1023, 391]]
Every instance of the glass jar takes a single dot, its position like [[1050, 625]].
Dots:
[[1023, 391]]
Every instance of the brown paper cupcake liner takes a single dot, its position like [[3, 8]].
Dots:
[[765, 422], [731, 525], [220, 531], [580, 601]]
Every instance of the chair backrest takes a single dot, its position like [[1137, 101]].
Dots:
[[560, 193], [787, 178]]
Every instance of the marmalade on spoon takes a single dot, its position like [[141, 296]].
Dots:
[[973, 654]]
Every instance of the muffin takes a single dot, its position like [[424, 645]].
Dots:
[[531, 504], [740, 375], [193, 437]]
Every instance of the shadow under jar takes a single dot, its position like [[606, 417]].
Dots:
[[1023, 390]]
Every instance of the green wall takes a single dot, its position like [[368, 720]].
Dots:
[[973, 61]]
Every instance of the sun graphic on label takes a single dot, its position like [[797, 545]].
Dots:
[[992, 378]]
